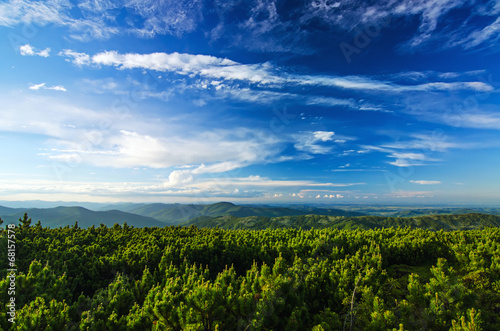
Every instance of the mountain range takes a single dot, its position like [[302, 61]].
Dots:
[[227, 215], [157, 214], [469, 221], [174, 214], [62, 216]]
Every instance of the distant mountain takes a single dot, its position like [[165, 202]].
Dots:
[[410, 211], [62, 216], [124, 206], [52, 204], [8, 211], [444, 211], [227, 215], [174, 214], [435, 222]]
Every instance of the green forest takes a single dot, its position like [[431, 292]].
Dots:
[[404, 274]]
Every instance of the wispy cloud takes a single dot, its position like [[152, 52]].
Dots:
[[44, 87], [260, 25], [128, 149], [314, 142], [480, 120], [435, 141], [433, 29], [410, 194], [15, 12], [425, 182], [470, 111], [417, 150], [369, 84], [261, 73], [348, 103], [488, 35], [79, 59], [107, 138], [98, 19], [165, 17], [201, 188]]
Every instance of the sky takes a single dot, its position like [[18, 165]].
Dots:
[[260, 101]]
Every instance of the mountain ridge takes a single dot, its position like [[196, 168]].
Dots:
[[63, 216], [469, 221], [174, 214]]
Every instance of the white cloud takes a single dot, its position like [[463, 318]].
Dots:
[[178, 185], [261, 25], [56, 88], [44, 53], [411, 194], [127, 149], [468, 112], [434, 141], [323, 135], [266, 182], [178, 62], [174, 17], [110, 139], [98, 19], [417, 150], [41, 12], [410, 156], [369, 84], [44, 87], [189, 64], [57, 12], [36, 86], [310, 142], [332, 102], [179, 178], [28, 50], [431, 12], [253, 96], [404, 163], [480, 120], [212, 67], [433, 26], [425, 182], [79, 59], [96, 28], [489, 34], [408, 159]]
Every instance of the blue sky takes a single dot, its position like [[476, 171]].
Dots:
[[393, 102]]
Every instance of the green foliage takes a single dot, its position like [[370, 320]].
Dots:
[[37, 315], [24, 222], [189, 278], [434, 222]]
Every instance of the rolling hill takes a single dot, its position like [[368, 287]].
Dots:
[[434, 222], [62, 216], [9, 211], [174, 214], [411, 211], [227, 215]]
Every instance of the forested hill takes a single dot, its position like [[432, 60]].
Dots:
[[432, 222], [189, 278], [226, 215], [173, 214], [63, 216]]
